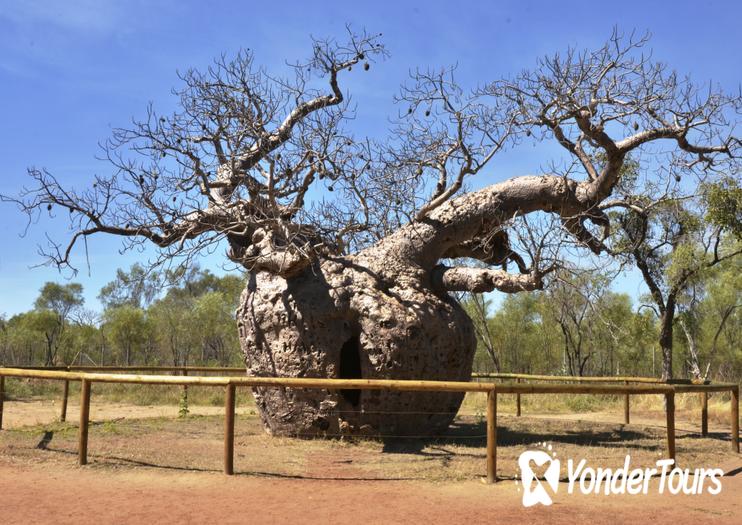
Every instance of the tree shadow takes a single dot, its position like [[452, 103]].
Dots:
[[693, 434], [473, 435], [108, 460]]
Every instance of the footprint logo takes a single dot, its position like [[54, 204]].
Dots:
[[534, 486]]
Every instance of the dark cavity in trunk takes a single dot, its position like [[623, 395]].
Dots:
[[350, 368]]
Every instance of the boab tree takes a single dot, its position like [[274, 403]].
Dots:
[[345, 238]]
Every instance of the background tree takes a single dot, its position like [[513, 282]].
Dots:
[[82, 343], [55, 304], [614, 334], [26, 342], [575, 327], [214, 322], [477, 307], [127, 328], [5, 346], [711, 323], [138, 288], [574, 302], [349, 279], [524, 341]]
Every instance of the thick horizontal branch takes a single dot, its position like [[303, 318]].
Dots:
[[478, 280]]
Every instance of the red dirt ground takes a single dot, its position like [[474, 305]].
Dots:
[[36, 487], [33, 493]]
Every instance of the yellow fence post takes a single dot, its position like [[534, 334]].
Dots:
[[2, 399], [734, 401], [670, 409], [229, 402], [184, 398], [626, 405], [491, 436], [82, 447], [517, 400], [65, 395]]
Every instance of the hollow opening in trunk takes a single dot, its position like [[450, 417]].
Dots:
[[350, 368]]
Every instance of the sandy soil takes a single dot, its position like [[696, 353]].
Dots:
[[19, 414], [38, 494], [148, 468]]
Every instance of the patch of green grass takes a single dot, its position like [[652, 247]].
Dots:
[[60, 429], [110, 427]]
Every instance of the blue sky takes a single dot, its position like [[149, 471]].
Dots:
[[71, 70]]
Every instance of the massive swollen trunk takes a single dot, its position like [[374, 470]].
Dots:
[[382, 313], [342, 319]]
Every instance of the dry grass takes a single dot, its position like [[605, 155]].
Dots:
[[687, 406], [474, 403], [27, 389]]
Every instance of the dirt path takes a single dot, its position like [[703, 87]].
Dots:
[[40, 494]]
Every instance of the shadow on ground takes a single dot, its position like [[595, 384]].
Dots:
[[472, 434]]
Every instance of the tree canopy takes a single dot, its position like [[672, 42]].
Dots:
[[237, 159]]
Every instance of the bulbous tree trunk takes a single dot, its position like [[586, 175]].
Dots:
[[370, 316]]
